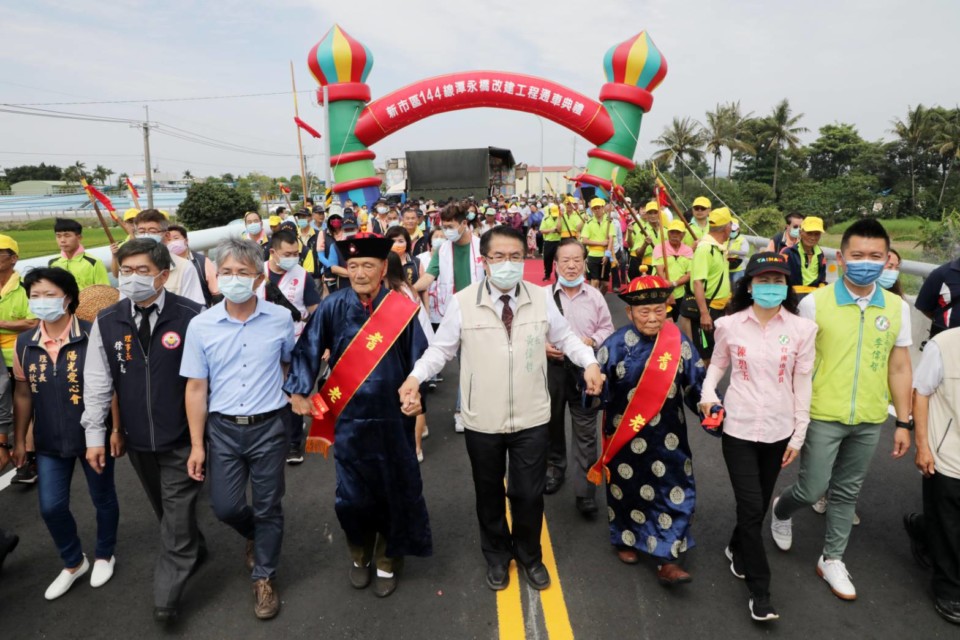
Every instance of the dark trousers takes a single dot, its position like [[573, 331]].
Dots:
[[295, 425], [54, 475], [255, 453], [562, 383], [527, 451], [549, 253], [941, 520], [705, 340], [173, 495], [753, 468], [633, 267]]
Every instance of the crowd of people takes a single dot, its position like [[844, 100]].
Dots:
[[328, 328]]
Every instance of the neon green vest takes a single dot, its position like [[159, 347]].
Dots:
[[737, 244], [810, 271], [853, 349]]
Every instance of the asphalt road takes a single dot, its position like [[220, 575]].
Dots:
[[594, 595]]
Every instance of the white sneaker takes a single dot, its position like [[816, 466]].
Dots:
[[835, 573], [419, 456], [820, 506], [856, 518], [102, 571], [426, 433], [457, 423], [781, 530], [65, 580]]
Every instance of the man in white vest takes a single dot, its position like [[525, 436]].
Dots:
[[457, 265], [502, 327], [936, 412], [289, 285]]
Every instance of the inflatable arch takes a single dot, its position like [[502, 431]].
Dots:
[[633, 69]]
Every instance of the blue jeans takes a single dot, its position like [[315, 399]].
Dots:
[[54, 475]]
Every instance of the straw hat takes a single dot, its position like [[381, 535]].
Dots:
[[95, 299]]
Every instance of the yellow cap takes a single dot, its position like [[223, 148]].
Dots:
[[570, 199], [130, 214], [676, 225], [653, 205], [598, 202], [274, 221], [165, 214], [6, 242], [812, 223], [703, 202], [720, 217], [553, 210]]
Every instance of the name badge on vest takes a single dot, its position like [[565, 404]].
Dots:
[[882, 323]]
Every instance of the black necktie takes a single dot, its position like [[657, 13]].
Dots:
[[144, 331], [507, 314]]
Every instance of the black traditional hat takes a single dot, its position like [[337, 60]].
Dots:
[[365, 245], [646, 290]]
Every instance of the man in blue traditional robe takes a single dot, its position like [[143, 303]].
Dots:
[[379, 495], [650, 485]]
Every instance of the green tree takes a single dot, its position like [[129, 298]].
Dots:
[[784, 133], [33, 172], [738, 134], [834, 152], [187, 175], [725, 129], [913, 131], [122, 181], [947, 144], [714, 134], [680, 141], [214, 204]]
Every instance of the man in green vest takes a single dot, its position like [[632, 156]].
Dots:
[[700, 224], [862, 360], [710, 275], [86, 269], [642, 238], [808, 265], [551, 238], [597, 236]]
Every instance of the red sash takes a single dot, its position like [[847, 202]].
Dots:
[[648, 397], [359, 359]]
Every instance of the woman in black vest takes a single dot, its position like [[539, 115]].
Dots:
[[48, 363]]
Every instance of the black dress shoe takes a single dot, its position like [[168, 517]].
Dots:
[[360, 576], [587, 507], [553, 484], [165, 615], [498, 577], [383, 587], [537, 576], [949, 610]]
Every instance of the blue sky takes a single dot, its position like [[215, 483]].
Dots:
[[842, 60]]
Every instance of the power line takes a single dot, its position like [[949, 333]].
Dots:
[[148, 100], [63, 115]]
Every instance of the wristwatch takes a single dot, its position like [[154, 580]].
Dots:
[[905, 425]]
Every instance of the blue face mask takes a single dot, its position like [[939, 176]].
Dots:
[[863, 272], [768, 295], [471, 215], [576, 282], [795, 233], [506, 275], [254, 228], [287, 263], [888, 278], [156, 237], [302, 223], [47, 309]]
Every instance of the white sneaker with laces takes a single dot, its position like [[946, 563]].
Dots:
[[102, 571], [781, 530], [65, 580], [835, 573], [457, 423], [820, 506]]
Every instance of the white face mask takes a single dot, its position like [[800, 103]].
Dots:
[[136, 287], [452, 234], [236, 289], [506, 275], [47, 309]]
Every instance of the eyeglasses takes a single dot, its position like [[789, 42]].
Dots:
[[140, 271], [699, 208], [242, 273], [497, 258]]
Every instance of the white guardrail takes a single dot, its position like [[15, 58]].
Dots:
[[203, 241]]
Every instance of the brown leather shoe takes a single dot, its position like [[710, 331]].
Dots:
[[268, 603], [628, 556], [248, 554], [670, 574]]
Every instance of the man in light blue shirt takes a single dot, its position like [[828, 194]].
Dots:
[[235, 357]]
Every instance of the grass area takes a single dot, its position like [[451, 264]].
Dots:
[[36, 237]]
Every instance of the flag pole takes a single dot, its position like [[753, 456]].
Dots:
[[296, 112], [133, 194]]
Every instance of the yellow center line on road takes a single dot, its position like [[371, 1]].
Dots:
[[509, 605]]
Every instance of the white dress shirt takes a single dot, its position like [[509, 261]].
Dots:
[[446, 342]]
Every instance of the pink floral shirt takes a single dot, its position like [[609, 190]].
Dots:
[[771, 379]]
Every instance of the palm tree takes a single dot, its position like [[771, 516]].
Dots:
[[947, 144], [738, 132], [715, 136], [784, 133], [187, 175], [122, 180], [101, 173], [681, 138], [913, 132]]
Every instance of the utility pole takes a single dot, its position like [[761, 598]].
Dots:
[[146, 157]]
